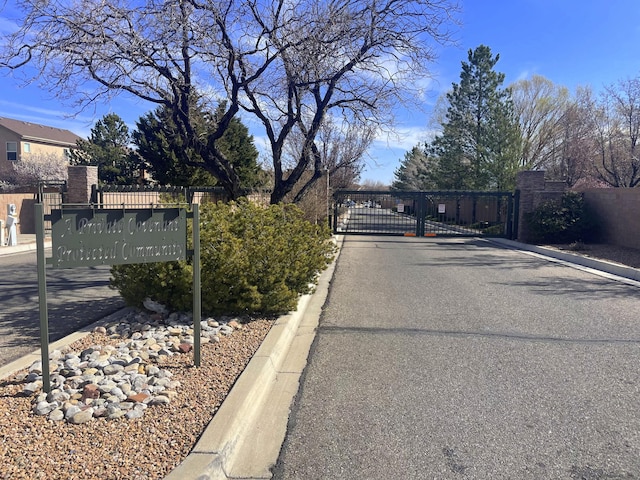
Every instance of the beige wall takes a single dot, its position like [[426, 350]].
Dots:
[[24, 203], [618, 214], [41, 149]]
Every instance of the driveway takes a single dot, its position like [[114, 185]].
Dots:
[[454, 358]]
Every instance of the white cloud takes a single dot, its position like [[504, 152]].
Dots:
[[404, 138]]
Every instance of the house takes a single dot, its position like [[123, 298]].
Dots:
[[20, 139]]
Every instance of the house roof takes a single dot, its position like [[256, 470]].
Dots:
[[39, 133]]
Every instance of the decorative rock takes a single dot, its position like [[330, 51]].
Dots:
[[44, 408], [58, 396], [118, 392], [116, 414], [154, 306], [31, 388], [113, 369], [138, 398], [99, 412], [71, 411], [160, 400], [134, 413], [56, 415], [91, 391], [113, 381], [83, 416]]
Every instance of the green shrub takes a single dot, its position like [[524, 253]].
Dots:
[[253, 260], [561, 221]]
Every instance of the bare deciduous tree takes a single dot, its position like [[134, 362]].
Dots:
[[577, 150], [289, 63], [539, 105], [618, 127], [338, 151]]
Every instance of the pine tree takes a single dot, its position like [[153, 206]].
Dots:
[[479, 146], [108, 148], [411, 174], [161, 147]]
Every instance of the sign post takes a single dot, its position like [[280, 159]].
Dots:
[[197, 305], [42, 296]]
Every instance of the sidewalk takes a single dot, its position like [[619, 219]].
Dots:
[[26, 243]]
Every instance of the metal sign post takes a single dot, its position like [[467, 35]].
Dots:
[[42, 295], [197, 305]]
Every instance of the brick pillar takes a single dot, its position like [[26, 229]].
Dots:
[[527, 183], [81, 178]]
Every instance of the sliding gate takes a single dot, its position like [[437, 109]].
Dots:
[[425, 214]]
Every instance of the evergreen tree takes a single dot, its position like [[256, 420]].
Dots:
[[108, 148], [412, 174], [162, 147], [479, 146]]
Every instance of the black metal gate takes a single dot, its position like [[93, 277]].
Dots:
[[51, 194], [425, 214]]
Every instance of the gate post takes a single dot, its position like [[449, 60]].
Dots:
[[421, 214], [82, 178]]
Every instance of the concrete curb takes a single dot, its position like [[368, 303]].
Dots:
[[244, 438], [595, 265]]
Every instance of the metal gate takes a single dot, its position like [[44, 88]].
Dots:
[[51, 194], [425, 214]]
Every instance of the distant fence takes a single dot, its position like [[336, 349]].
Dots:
[[24, 202], [109, 196], [616, 209]]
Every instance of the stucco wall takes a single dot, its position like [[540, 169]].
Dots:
[[618, 214], [24, 203]]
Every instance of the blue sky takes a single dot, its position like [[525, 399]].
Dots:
[[570, 42]]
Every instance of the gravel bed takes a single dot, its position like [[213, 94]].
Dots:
[[32, 447]]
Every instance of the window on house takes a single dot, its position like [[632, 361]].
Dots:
[[12, 151], [26, 147]]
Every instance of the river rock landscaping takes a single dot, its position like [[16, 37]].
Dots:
[[126, 401]]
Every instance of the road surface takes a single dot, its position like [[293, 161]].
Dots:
[[76, 298], [455, 359]]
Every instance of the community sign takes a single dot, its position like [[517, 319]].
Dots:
[[83, 237]]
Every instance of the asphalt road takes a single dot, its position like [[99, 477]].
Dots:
[[455, 359], [75, 298]]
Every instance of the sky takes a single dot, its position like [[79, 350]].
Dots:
[[570, 42]]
